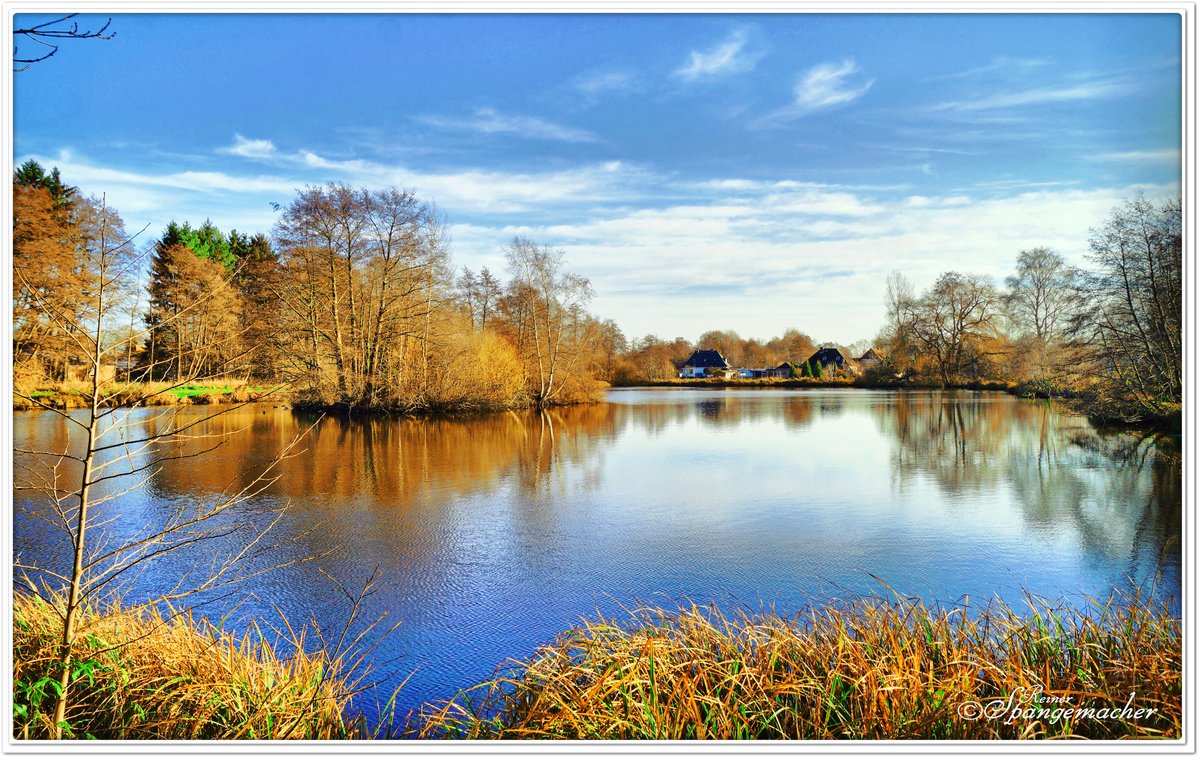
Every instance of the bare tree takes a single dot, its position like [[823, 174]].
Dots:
[[546, 308], [951, 323], [76, 490], [362, 273], [1042, 297], [1135, 302], [898, 334], [48, 35]]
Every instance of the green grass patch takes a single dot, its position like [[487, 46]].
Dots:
[[192, 390]]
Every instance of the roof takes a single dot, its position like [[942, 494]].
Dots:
[[707, 359], [785, 365], [828, 355], [872, 355]]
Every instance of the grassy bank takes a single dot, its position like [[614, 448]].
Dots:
[[863, 669], [140, 676], [866, 669], [67, 395]]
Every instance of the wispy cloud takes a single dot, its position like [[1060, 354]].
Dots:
[[604, 82], [464, 190], [729, 57], [1083, 91], [923, 149], [823, 86], [249, 148], [1000, 65], [790, 241], [87, 173], [491, 122], [1139, 156], [830, 84]]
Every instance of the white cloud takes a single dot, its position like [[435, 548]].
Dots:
[[760, 255], [250, 148], [469, 190], [604, 82], [1140, 156], [86, 173], [762, 259], [823, 86], [728, 57], [829, 84], [1093, 90], [1002, 65], [489, 121]]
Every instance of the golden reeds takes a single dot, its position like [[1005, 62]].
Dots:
[[146, 676], [870, 668]]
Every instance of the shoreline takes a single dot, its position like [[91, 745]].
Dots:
[[1170, 423], [58, 399]]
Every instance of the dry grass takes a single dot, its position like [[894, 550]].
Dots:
[[864, 669], [139, 675], [67, 395], [870, 668]]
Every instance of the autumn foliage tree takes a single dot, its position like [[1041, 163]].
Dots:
[[951, 329], [56, 238], [194, 318], [545, 315]]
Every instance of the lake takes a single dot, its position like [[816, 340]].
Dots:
[[492, 534]]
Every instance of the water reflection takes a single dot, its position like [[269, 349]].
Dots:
[[494, 533]]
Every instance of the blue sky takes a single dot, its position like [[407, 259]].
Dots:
[[746, 172]]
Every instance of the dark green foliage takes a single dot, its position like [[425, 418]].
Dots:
[[805, 370], [31, 174], [207, 242]]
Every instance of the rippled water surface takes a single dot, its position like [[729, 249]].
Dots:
[[493, 534]]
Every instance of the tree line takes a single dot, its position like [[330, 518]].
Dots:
[[352, 300], [1110, 334]]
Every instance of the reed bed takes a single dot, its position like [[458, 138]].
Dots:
[[871, 668], [868, 668], [141, 675]]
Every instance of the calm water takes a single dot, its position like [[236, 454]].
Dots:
[[493, 534]]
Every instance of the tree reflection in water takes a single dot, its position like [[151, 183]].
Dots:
[[494, 533]]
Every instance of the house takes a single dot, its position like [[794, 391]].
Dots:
[[832, 360], [782, 371], [704, 363], [871, 359]]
